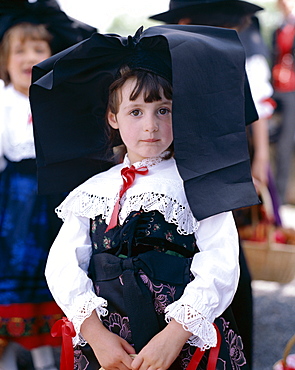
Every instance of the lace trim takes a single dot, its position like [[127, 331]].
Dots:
[[148, 162], [153, 193], [89, 205], [204, 333], [94, 303], [172, 211], [86, 205]]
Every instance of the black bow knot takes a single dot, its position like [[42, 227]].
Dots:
[[118, 277]]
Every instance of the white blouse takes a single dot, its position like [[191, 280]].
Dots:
[[16, 129], [259, 76], [215, 267]]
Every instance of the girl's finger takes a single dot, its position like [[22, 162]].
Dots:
[[137, 362]]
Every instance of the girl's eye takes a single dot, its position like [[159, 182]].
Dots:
[[17, 51], [40, 50], [136, 113], [164, 111]]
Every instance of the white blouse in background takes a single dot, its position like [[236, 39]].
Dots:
[[259, 76], [16, 129]]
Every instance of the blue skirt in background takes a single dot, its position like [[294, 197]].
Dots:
[[28, 226]]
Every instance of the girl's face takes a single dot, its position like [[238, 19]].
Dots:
[[145, 128], [23, 55]]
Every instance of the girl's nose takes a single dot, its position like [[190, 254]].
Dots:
[[32, 56], [151, 124]]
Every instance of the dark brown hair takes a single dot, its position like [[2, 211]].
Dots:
[[148, 83], [26, 31]]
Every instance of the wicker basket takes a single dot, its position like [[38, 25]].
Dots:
[[288, 361], [267, 258], [270, 261]]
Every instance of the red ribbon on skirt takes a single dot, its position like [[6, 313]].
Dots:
[[213, 355], [64, 328]]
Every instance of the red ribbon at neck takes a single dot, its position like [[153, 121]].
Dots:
[[65, 329], [128, 176]]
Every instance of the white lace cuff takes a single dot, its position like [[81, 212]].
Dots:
[[204, 333], [82, 313]]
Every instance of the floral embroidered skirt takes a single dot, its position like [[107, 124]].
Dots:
[[151, 281], [27, 230]]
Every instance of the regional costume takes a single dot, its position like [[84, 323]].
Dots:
[[27, 229], [174, 252], [156, 240], [28, 224]]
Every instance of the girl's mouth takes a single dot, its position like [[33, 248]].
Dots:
[[27, 71], [150, 140]]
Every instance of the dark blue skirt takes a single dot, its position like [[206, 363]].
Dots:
[[28, 226]]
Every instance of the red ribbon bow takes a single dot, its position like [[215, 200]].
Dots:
[[128, 175], [65, 329]]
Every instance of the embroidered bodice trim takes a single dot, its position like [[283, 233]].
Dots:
[[160, 190]]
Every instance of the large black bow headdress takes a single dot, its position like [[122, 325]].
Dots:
[[66, 31], [211, 104]]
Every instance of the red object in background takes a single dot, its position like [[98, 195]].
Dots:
[[29, 324], [283, 72]]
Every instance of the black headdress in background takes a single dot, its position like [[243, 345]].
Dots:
[[211, 104], [200, 8], [66, 31]]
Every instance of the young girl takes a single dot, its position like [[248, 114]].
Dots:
[[27, 223], [132, 267]]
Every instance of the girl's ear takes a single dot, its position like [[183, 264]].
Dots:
[[112, 120]]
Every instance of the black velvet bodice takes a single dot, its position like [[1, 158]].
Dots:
[[140, 232]]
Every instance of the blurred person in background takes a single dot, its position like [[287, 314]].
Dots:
[[239, 15], [29, 33], [283, 78]]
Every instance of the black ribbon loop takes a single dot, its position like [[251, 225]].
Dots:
[[112, 273]]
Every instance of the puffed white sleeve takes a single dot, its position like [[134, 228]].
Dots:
[[259, 76], [66, 273], [216, 272]]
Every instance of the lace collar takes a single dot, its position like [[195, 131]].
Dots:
[[160, 190], [147, 162]]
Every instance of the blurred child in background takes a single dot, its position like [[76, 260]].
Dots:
[[29, 33]]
